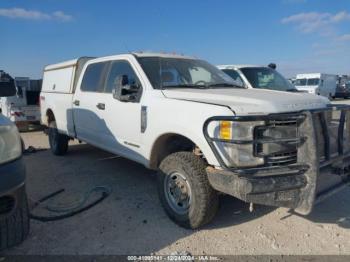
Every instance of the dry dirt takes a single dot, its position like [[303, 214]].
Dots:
[[132, 221]]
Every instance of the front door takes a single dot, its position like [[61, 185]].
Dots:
[[123, 132]]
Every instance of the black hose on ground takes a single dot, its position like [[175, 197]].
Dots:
[[79, 208]]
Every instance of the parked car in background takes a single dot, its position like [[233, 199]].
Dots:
[[202, 131], [317, 83], [260, 77], [23, 108], [343, 87], [14, 214]]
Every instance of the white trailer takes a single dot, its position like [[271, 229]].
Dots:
[[317, 83]]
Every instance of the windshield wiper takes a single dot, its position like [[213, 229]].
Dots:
[[206, 86], [224, 85], [186, 86]]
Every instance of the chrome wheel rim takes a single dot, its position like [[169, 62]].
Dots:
[[178, 192]]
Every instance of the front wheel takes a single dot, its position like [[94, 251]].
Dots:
[[185, 192], [58, 142]]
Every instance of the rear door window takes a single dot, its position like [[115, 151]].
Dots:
[[94, 76]]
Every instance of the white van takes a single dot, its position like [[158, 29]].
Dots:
[[317, 83], [23, 108]]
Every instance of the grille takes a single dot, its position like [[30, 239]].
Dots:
[[323, 121], [286, 158], [291, 122], [279, 154], [7, 204]]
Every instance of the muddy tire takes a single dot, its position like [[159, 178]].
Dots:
[[185, 192], [58, 142], [14, 227]]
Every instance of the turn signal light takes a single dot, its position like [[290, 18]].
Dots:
[[225, 130]]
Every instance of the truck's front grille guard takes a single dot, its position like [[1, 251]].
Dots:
[[300, 117]]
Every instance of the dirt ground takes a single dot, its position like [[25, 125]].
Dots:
[[132, 221]]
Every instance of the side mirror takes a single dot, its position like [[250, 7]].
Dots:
[[272, 66], [123, 91], [7, 85]]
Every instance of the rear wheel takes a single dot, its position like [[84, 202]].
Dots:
[[58, 142], [14, 227], [185, 192], [331, 96]]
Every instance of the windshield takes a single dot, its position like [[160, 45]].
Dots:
[[313, 81], [300, 82], [267, 78], [183, 73]]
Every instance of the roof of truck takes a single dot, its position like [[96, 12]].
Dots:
[[155, 54], [73, 62], [237, 66], [144, 54]]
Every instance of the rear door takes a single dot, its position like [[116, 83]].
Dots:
[[89, 123]]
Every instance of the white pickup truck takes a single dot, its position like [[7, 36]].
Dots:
[[205, 135], [23, 108], [254, 76]]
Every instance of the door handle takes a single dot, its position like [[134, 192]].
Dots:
[[101, 106], [76, 102]]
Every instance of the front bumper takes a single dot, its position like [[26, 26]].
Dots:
[[321, 168]]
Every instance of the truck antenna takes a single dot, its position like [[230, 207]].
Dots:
[[126, 48]]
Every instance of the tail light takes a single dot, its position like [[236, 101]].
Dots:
[[42, 98], [17, 113]]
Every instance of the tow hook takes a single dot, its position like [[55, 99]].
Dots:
[[251, 207]]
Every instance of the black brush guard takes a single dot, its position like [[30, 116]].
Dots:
[[321, 168]]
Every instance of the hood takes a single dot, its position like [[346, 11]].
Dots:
[[250, 101]]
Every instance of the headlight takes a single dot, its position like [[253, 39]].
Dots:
[[238, 155], [10, 143]]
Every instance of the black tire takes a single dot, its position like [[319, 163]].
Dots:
[[58, 142], [14, 227], [204, 199]]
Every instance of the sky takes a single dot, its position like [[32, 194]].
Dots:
[[300, 36]]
